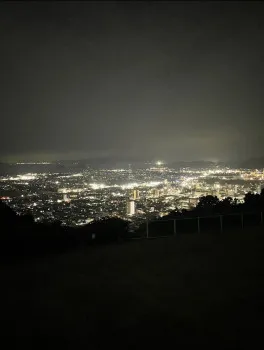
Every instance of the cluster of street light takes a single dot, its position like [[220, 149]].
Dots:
[[78, 197]]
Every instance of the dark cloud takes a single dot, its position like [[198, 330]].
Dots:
[[173, 80]]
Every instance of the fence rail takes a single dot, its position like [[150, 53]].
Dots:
[[220, 223]]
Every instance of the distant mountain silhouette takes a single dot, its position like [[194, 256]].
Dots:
[[192, 164], [253, 163]]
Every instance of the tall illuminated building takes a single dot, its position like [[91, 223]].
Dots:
[[217, 188], [156, 192], [135, 194], [131, 208], [66, 198]]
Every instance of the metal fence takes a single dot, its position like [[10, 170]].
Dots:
[[214, 223]]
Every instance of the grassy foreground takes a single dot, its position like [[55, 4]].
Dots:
[[193, 289]]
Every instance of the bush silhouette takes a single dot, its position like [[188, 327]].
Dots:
[[107, 230], [21, 236]]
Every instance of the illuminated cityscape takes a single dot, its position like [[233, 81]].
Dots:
[[134, 194]]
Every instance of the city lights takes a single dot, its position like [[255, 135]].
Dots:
[[73, 198]]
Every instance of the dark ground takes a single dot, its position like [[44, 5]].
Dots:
[[194, 289]]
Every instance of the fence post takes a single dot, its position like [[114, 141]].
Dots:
[[198, 224], [221, 222], [242, 220], [174, 227], [147, 228]]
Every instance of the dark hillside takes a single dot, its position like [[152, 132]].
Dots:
[[195, 289]]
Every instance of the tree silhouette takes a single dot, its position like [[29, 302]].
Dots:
[[26, 220], [20, 234], [7, 215], [207, 204], [252, 201], [225, 206]]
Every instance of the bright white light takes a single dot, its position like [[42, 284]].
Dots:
[[129, 186], [68, 190], [117, 194], [34, 163], [159, 163], [152, 183], [24, 177], [97, 186], [116, 170]]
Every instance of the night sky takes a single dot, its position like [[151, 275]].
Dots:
[[176, 81]]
